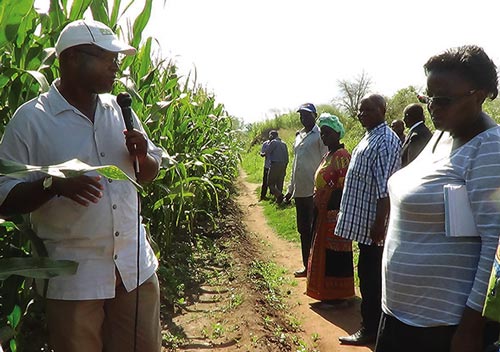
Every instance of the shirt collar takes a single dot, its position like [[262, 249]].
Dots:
[[59, 104], [415, 125], [377, 128], [315, 129]]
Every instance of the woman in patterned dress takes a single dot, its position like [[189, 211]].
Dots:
[[330, 274]]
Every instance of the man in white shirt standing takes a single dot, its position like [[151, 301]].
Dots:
[[308, 151], [88, 219]]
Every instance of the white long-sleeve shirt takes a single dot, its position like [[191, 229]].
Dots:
[[308, 152]]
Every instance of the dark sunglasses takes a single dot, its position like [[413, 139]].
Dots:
[[101, 56], [443, 100]]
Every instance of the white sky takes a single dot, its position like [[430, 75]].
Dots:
[[260, 57]]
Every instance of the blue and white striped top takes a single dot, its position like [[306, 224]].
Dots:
[[429, 278]]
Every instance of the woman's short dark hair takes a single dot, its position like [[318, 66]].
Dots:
[[470, 61]]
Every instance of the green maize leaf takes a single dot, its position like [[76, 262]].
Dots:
[[12, 13], [9, 225], [70, 168], [33, 57], [40, 78], [38, 268], [144, 58], [100, 11], [13, 345], [140, 23], [131, 88], [26, 29], [171, 83], [78, 8], [158, 204], [4, 79], [113, 18], [15, 316], [57, 13], [147, 80]]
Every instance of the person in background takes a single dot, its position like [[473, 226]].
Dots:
[[364, 209], [308, 150], [87, 218], [418, 133], [398, 127], [267, 165], [278, 155], [330, 273], [434, 285]]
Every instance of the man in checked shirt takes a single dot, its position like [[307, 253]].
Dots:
[[364, 209]]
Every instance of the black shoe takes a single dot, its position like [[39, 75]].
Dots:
[[279, 199], [335, 303], [300, 273], [361, 337]]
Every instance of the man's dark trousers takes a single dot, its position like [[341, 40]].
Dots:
[[304, 207], [263, 190], [370, 285], [276, 178]]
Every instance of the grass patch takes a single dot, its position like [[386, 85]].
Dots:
[[282, 219], [269, 279]]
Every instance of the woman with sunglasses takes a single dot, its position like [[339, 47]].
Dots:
[[434, 279]]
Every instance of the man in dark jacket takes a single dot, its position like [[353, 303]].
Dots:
[[418, 134], [277, 152]]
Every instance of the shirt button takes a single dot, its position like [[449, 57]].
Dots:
[[116, 256], [117, 234], [102, 154], [114, 206]]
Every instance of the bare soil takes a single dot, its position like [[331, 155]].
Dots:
[[231, 315]]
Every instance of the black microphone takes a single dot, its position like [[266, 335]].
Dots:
[[124, 100]]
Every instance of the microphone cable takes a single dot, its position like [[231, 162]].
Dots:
[[137, 268], [125, 101]]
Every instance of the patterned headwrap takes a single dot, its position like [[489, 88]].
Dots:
[[332, 121]]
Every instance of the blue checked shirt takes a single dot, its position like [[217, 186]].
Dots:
[[374, 160]]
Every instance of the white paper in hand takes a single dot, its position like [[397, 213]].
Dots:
[[459, 220]]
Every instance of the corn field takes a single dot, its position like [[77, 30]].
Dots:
[[199, 140]]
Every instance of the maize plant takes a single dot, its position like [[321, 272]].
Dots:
[[198, 137]]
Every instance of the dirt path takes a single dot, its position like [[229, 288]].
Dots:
[[326, 323], [229, 313]]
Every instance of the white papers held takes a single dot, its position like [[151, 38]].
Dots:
[[459, 221]]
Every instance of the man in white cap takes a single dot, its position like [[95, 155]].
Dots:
[[88, 219]]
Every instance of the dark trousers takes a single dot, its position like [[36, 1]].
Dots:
[[276, 178], [395, 336], [370, 284], [304, 207], [263, 190]]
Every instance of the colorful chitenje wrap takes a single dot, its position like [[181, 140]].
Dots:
[[491, 308], [330, 267]]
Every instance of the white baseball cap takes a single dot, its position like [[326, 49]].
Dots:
[[91, 32]]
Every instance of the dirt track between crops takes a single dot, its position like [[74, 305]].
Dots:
[[328, 323], [243, 329]]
